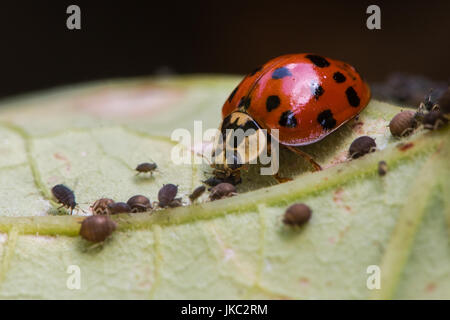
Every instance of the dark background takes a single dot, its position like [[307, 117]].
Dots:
[[137, 38]]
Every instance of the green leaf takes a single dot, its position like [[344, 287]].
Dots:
[[91, 137]]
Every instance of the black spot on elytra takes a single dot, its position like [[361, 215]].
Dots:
[[281, 73], [319, 61], [232, 94], [339, 77], [317, 90], [288, 119], [244, 103], [326, 120], [352, 97], [272, 102], [254, 71]]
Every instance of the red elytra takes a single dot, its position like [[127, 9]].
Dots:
[[305, 96]]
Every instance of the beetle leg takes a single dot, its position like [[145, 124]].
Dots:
[[306, 156], [280, 179]]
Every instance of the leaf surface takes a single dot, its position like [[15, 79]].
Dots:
[[91, 137]]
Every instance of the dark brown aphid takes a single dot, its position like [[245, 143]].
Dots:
[[176, 203], [65, 196], [434, 120], [403, 123], [146, 167], [222, 190], [297, 214], [97, 228], [167, 194], [119, 207], [362, 145], [197, 193], [139, 203], [101, 206], [212, 182], [382, 168]]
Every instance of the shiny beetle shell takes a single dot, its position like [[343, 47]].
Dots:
[[304, 96]]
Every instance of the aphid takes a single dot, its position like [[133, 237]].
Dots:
[[305, 97], [119, 207], [362, 145], [146, 167], [101, 206], [176, 203], [197, 193], [434, 120], [212, 182], [97, 228], [65, 196], [167, 194], [222, 190], [403, 123], [382, 168], [297, 214], [139, 203]]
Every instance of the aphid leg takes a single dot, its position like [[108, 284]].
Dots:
[[422, 107], [306, 156], [95, 245], [78, 208], [155, 204], [438, 124]]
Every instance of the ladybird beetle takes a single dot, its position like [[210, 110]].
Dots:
[[304, 96]]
